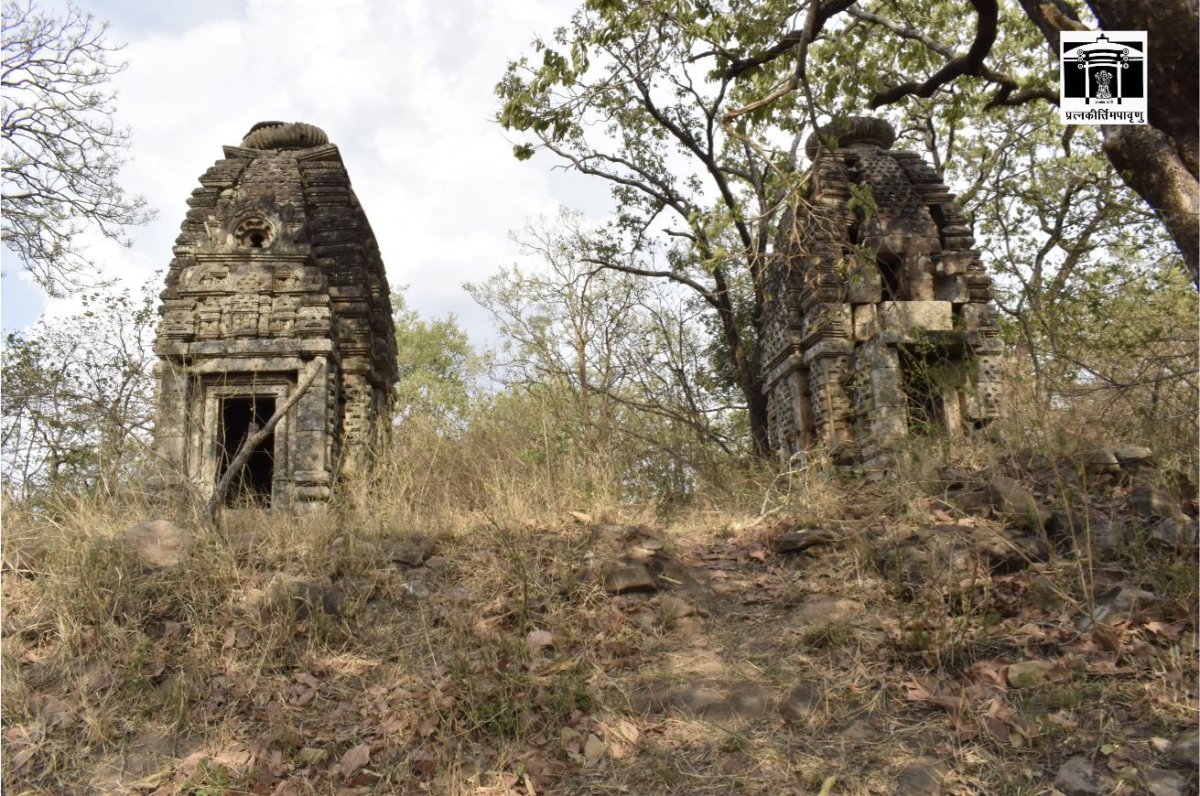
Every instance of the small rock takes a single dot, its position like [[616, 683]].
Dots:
[[458, 594], [1014, 502], [921, 780], [801, 701], [689, 628], [1185, 750], [1133, 454], [1103, 460], [672, 608], [158, 543], [333, 599], [1168, 534], [641, 555], [437, 562], [1149, 502], [1158, 782], [797, 541], [1080, 528], [416, 589], [411, 552], [1045, 593], [828, 612], [1078, 777], [1010, 551], [1117, 602], [1027, 674], [289, 592], [623, 578]]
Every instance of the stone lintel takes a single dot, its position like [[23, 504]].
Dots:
[[242, 153], [828, 348], [911, 318], [247, 348], [782, 366]]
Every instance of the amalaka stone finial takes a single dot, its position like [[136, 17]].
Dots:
[[850, 131], [284, 135]]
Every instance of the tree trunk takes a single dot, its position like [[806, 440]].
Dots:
[[1159, 160]]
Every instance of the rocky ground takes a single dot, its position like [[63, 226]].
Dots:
[[1028, 628]]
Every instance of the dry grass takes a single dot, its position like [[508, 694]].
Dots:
[[201, 679]]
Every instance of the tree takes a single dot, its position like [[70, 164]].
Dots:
[[79, 395], [691, 109], [627, 103], [438, 368], [62, 151], [618, 361], [1159, 160]]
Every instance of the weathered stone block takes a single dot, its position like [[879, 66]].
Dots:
[[910, 318]]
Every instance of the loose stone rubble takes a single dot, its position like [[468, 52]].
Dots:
[[275, 267], [878, 315]]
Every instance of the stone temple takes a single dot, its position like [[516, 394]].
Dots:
[[878, 319], [276, 275]]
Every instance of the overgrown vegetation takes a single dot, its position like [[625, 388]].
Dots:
[[975, 617]]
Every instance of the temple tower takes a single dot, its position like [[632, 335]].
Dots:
[[276, 274], [878, 318]]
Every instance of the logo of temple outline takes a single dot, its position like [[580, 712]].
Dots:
[[1102, 77]]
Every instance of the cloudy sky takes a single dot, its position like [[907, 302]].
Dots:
[[404, 89]]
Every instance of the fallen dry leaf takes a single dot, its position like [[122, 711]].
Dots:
[[593, 750], [538, 639], [354, 759]]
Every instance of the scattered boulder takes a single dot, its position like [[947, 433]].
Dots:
[[921, 779], [1029, 674], [416, 590], [801, 701], [1152, 502], [1082, 529], [1184, 751], [411, 552], [286, 594], [1117, 602], [1103, 461], [158, 544], [1133, 455], [1078, 777], [1173, 534], [1016, 504], [829, 612], [672, 608], [624, 578], [799, 540], [1159, 782], [707, 700]]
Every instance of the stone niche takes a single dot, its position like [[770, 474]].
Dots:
[[878, 315], [276, 272]]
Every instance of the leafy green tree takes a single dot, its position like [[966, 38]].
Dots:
[[621, 95], [438, 367], [1159, 161], [62, 151], [691, 111], [619, 362], [78, 395]]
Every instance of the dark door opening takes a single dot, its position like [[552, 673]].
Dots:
[[240, 417], [924, 375]]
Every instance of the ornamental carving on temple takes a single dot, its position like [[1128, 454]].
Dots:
[[878, 316], [276, 276]]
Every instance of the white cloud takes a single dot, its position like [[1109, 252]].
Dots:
[[404, 89]]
